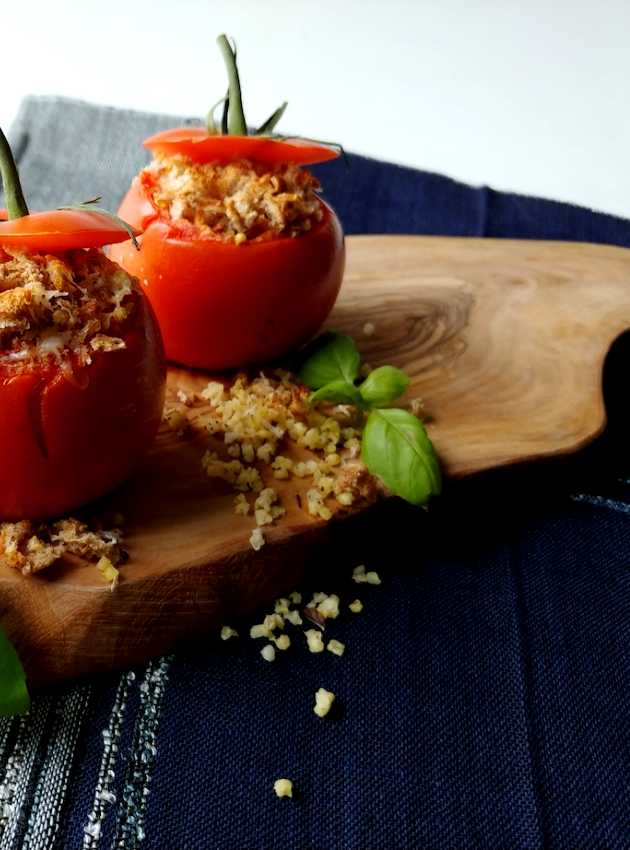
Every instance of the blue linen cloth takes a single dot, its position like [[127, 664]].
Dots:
[[484, 696]]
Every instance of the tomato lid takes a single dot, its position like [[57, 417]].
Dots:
[[61, 230], [200, 146]]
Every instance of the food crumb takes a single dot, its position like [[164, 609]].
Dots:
[[281, 606], [283, 788], [358, 574], [356, 607], [260, 630], [329, 607], [108, 571], [323, 702], [369, 328], [346, 498], [265, 509], [336, 647], [416, 406], [29, 547], [227, 633], [361, 577], [314, 640], [273, 621], [176, 420], [283, 642], [241, 505], [183, 398], [268, 652], [294, 618], [256, 539]]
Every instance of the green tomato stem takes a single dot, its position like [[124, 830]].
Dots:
[[211, 124], [224, 116], [16, 205], [270, 123], [236, 116]]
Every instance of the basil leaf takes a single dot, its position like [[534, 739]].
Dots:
[[334, 357], [397, 449], [383, 386], [341, 392], [14, 698]]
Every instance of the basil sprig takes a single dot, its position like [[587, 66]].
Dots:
[[14, 698], [395, 445]]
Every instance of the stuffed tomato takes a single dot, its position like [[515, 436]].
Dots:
[[240, 257], [82, 370]]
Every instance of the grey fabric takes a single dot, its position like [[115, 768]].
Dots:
[[81, 150]]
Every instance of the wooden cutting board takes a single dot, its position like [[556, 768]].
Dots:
[[505, 342]]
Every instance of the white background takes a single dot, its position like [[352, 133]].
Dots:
[[532, 96]]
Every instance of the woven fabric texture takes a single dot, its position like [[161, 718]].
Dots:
[[484, 696]]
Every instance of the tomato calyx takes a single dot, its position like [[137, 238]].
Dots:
[[81, 226], [230, 139]]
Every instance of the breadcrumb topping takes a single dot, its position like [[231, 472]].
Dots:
[[336, 647], [314, 640], [323, 702], [283, 788], [52, 307], [238, 201], [261, 421], [320, 610], [360, 576], [262, 430], [268, 652], [29, 547]]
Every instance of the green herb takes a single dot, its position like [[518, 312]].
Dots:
[[342, 392], [332, 357], [383, 385], [14, 698], [395, 446]]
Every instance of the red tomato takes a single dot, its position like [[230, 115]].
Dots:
[[66, 440], [221, 305], [60, 230], [200, 146]]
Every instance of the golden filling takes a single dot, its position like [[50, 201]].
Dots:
[[53, 306], [241, 200]]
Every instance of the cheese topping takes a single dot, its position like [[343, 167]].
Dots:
[[238, 201], [55, 306]]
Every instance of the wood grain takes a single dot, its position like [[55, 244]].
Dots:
[[505, 342]]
